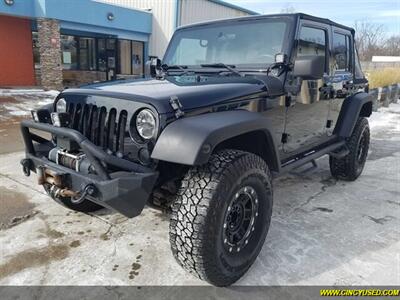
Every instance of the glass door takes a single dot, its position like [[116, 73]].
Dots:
[[107, 57]]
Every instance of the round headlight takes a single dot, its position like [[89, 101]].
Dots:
[[61, 105], [146, 124]]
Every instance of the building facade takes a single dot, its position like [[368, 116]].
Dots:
[[170, 14], [59, 43]]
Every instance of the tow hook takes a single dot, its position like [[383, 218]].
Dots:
[[26, 166], [89, 190]]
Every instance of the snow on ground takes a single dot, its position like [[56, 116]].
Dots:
[[323, 231], [19, 102], [385, 116], [8, 92]]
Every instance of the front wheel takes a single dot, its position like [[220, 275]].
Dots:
[[221, 216], [351, 166]]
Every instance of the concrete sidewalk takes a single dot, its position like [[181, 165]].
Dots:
[[323, 231]]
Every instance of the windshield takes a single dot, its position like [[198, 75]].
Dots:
[[243, 44]]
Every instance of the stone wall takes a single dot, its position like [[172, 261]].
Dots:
[[49, 51]]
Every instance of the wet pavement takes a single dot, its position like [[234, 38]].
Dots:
[[323, 231], [15, 105]]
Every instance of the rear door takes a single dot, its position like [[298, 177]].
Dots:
[[340, 73]]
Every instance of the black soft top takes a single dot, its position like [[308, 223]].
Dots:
[[258, 17]]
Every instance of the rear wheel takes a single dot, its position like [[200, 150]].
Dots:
[[85, 206], [351, 166], [221, 216]]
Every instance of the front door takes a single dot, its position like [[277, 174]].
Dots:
[[307, 115]]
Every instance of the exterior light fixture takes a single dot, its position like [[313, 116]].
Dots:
[[110, 16], [9, 2]]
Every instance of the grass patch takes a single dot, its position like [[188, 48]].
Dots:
[[383, 77]]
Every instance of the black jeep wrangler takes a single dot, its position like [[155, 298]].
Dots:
[[232, 104]]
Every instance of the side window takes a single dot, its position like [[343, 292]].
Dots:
[[312, 41], [358, 71], [341, 52]]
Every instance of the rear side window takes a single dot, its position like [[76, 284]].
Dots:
[[341, 52], [358, 71]]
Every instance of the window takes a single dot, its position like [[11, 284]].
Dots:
[[341, 51], [125, 57], [137, 58], [358, 71], [312, 41], [100, 54], [102, 59], [69, 56], [78, 53], [244, 44], [35, 46], [87, 54], [130, 57]]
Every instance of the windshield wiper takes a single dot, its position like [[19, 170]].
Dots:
[[181, 68], [222, 65]]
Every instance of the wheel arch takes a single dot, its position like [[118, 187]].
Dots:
[[258, 142], [192, 140], [354, 106]]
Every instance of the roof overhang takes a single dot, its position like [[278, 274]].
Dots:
[[84, 12]]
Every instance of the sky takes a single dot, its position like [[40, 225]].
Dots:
[[347, 12]]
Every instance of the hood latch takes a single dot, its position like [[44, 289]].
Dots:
[[176, 106]]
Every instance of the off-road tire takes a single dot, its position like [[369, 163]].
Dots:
[[85, 206], [200, 210], [349, 168]]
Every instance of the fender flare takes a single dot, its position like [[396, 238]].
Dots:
[[191, 140], [354, 106]]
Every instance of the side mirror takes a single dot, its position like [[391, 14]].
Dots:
[[153, 66], [310, 67]]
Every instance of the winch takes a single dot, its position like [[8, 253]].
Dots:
[[75, 161]]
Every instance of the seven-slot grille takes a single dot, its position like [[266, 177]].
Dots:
[[104, 128]]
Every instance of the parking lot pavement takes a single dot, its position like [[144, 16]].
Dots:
[[323, 231]]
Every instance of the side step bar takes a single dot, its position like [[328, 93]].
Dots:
[[308, 157]]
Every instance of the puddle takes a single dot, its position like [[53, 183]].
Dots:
[[75, 244], [15, 208], [33, 258]]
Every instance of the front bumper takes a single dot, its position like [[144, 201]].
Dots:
[[125, 191]]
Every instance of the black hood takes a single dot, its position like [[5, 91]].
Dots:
[[192, 91]]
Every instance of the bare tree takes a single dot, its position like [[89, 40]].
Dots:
[[392, 46], [370, 39], [288, 9]]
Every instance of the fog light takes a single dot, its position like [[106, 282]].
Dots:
[[55, 119], [41, 116], [35, 116], [60, 119]]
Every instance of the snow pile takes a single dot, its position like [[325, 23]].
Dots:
[[386, 116]]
